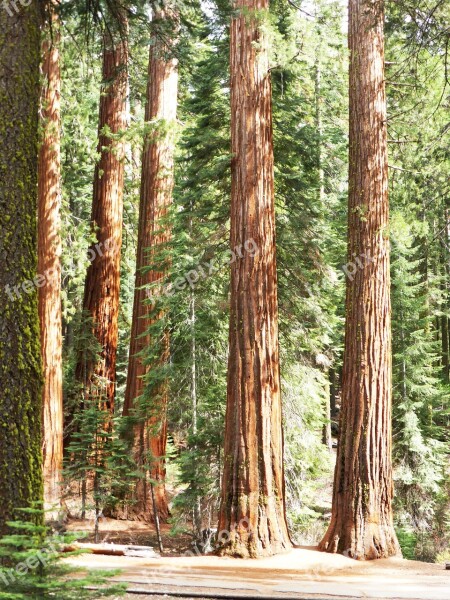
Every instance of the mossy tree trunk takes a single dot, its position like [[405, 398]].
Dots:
[[101, 294], [252, 510], [150, 431], [361, 523], [20, 353], [49, 261]]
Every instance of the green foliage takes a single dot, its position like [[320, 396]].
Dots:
[[308, 464], [418, 108], [32, 565], [408, 542]]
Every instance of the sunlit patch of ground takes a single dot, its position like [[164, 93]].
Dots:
[[303, 573]]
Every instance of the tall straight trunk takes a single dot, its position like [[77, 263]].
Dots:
[[197, 512], [361, 523], [49, 263], [101, 293], [150, 432], [252, 508], [326, 429], [334, 384], [444, 255], [20, 353]]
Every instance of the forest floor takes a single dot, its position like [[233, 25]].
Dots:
[[302, 573]]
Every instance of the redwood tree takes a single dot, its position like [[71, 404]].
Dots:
[[361, 523], [20, 354], [101, 293], [252, 510], [150, 430], [49, 262]]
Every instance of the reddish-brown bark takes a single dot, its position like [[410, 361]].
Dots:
[[150, 432], [361, 524], [49, 264], [252, 510], [101, 294]]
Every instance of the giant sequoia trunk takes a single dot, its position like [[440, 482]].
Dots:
[[252, 510], [49, 264], [101, 294], [20, 353], [150, 431], [361, 524]]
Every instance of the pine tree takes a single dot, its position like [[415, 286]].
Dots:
[[417, 389], [199, 308], [32, 566]]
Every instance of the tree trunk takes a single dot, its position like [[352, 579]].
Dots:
[[361, 523], [333, 378], [101, 294], [150, 431], [197, 512], [49, 264], [326, 428], [252, 511], [20, 353], [444, 255]]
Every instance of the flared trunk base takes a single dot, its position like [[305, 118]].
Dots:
[[376, 541]]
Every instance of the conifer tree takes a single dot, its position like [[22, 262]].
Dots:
[[49, 259], [252, 507], [145, 402], [101, 292], [417, 389], [20, 354], [362, 519]]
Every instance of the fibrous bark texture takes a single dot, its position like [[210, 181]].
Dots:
[[49, 264], [361, 524], [150, 431], [20, 353], [101, 294], [252, 513]]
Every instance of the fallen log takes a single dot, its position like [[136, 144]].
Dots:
[[113, 550]]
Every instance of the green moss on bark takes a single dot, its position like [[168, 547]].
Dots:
[[20, 364]]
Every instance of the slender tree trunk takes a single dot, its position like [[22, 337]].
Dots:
[[49, 264], [150, 432], [445, 287], [252, 508], [101, 294], [362, 524], [197, 512], [333, 377], [326, 429], [20, 353]]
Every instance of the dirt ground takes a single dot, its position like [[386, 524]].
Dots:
[[133, 533], [303, 573]]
